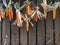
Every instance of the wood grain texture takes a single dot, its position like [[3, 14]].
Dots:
[[6, 29]]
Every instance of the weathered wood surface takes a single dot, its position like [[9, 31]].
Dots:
[[6, 29]]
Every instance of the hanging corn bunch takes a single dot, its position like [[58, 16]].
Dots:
[[18, 20], [19, 16], [50, 7], [37, 14], [7, 10]]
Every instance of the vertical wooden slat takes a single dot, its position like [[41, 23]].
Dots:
[[36, 33], [1, 31], [19, 35], [10, 32]]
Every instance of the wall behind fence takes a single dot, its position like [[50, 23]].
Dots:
[[49, 23]]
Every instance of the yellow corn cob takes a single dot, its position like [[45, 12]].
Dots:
[[11, 15], [27, 27], [54, 14], [45, 13], [7, 11], [36, 17], [28, 9]]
